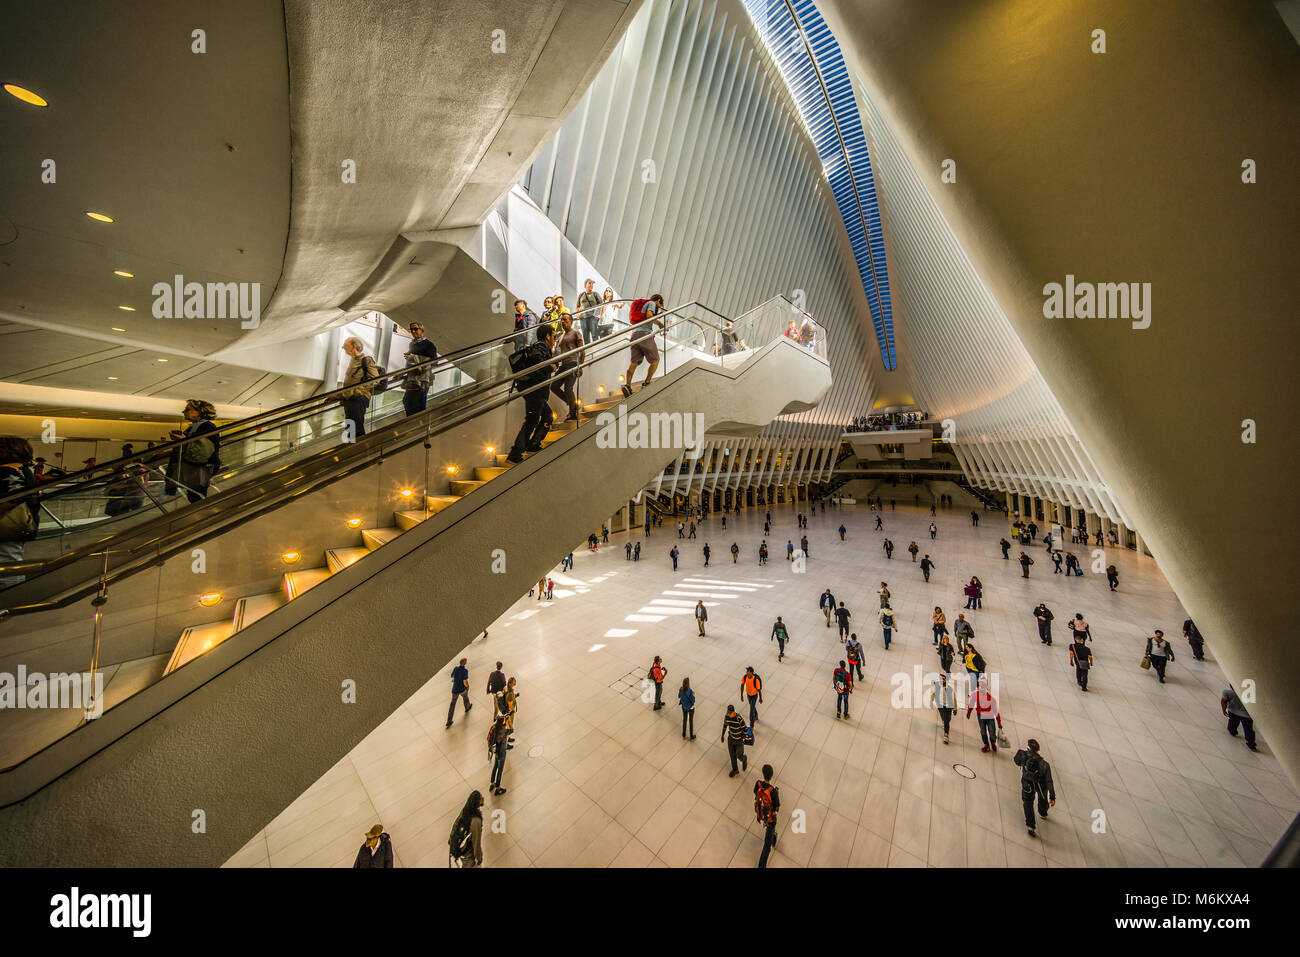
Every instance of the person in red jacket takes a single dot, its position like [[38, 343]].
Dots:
[[990, 720]]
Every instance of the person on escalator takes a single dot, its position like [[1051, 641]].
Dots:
[[421, 356], [18, 518], [566, 388], [642, 314], [357, 386], [525, 326], [194, 463], [538, 417]]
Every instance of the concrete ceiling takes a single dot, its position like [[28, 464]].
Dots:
[[1126, 166]]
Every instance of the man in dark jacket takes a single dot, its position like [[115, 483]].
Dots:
[[827, 605], [1035, 781], [1044, 616], [538, 417], [1193, 636], [419, 358], [525, 326], [377, 851]]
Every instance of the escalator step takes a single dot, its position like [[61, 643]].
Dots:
[[408, 520], [250, 609], [488, 474], [462, 487], [297, 583], [437, 503]]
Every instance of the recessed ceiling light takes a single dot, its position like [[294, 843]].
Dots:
[[123, 273], [127, 308], [162, 360], [118, 329], [27, 96], [112, 378], [99, 217]]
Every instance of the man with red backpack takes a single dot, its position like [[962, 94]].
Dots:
[[767, 804], [657, 674], [642, 313]]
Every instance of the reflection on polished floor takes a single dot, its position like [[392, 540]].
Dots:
[[597, 778]]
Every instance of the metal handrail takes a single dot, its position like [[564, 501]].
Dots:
[[331, 470]]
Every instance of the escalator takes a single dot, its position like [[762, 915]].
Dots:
[[256, 637]]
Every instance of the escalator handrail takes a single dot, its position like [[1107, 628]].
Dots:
[[199, 530]]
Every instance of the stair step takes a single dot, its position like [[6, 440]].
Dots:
[[501, 461], [374, 537], [250, 609], [408, 520], [297, 583], [340, 558], [461, 487], [196, 640], [488, 474], [437, 503]]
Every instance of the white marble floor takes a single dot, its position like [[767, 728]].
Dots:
[[599, 779]]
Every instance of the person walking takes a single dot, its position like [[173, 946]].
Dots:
[[842, 682], [636, 551], [1006, 549], [945, 701], [974, 663], [1194, 639], [879, 524], [673, 553], [970, 593], [1112, 577], [789, 550], [1072, 565], [1159, 653], [506, 705], [933, 529], [1025, 562], [1081, 658], [707, 552], [496, 682], [1236, 713], [751, 685], [780, 636], [762, 553], [1043, 616], [681, 529], [767, 804], [975, 519], [550, 589], [701, 616], [883, 592], [733, 733], [842, 615], [628, 550], [642, 313], [889, 549], [498, 743], [1035, 782], [927, 566], [803, 545], [887, 623], [459, 689], [913, 549], [827, 605], [1056, 563], [1080, 629], [686, 698], [843, 530], [853, 654], [691, 534], [657, 674], [946, 654], [465, 845], [962, 630], [938, 623], [735, 552], [985, 707], [376, 850]]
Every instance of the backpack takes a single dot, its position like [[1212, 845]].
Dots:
[[461, 834], [17, 523], [1031, 767], [199, 451], [888, 621], [636, 312], [656, 677], [763, 803]]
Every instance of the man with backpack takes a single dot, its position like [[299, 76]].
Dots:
[[1035, 781], [1025, 562], [538, 417], [358, 385], [842, 682], [657, 674], [735, 549], [673, 555], [751, 685], [853, 652], [927, 566], [781, 636], [767, 804], [466, 841], [641, 313], [887, 623]]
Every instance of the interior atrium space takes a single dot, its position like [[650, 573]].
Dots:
[[576, 435]]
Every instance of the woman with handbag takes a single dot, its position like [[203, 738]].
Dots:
[[18, 518]]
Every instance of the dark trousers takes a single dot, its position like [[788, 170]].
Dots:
[[945, 714], [688, 717], [855, 664], [1045, 633], [780, 644], [1198, 650], [451, 712], [538, 419], [354, 410], [1158, 662], [498, 765], [1247, 725], [1081, 676], [565, 391], [735, 751], [1027, 794], [415, 400], [659, 695], [926, 573], [753, 708], [888, 632], [769, 842], [590, 331]]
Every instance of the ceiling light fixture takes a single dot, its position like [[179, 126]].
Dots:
[[210, 599], [123, 273], [127, 308], [118, 329], [27, 96], [99, 217]]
